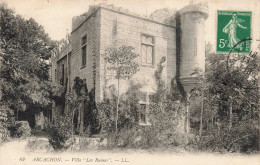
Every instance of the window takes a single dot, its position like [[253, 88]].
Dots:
[[84, 50], [62, 74], [143, 113], [147, 49], [55, 75], [144, 105], [143, 97], [69, 70], [152, 98]]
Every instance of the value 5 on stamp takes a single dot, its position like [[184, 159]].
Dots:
[[233, 28]]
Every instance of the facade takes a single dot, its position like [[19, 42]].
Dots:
[[176, 35]]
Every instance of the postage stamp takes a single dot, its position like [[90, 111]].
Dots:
[[232, 28]]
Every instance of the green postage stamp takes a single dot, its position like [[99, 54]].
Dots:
[[233, 27]]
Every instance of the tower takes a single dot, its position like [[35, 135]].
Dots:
[[192, 48]]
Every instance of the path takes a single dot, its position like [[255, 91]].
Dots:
[[11, 152]]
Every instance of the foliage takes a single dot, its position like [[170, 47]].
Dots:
[[231, 110], [243, 137], [125, 138], [121, 60], [106, 115], [25, 49], [82, 104], [233, 82], [4, 132], [60, 132], [161, 86], [78, 85], [227, 122], [163, 119], [127, 120], [165, 111], [93, 113], [128, 112], [81, 95], [20, 129]]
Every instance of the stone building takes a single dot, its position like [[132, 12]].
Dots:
[[176, 35]]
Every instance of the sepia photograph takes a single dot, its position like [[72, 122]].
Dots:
[[117, 82]]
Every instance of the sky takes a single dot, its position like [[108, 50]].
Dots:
[[56, 15]]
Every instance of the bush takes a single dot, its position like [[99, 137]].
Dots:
[[4, 134], [125, 138], [127, 126], [106, 115], [21, 129], [242, 137], [163, 118], [60, 132]]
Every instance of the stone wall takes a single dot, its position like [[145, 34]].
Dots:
[[124, 29], [90, 28], [108, 25]]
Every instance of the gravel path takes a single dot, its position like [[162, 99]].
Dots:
[[15, 153]]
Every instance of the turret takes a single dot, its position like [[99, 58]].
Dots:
[[192, 50], [192, 20]]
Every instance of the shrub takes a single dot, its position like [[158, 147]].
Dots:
[[242, 137], [127, 126], [60, 132], [21, 129], [4, 134], [163, 114], [163, 118], [126, 138], [107, 112], [106, 115]]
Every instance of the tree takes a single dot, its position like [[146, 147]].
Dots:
[[233, 78], [25, 50], [200, 89], [121, 60], [161, 86], [224, 106], [232, 83]]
